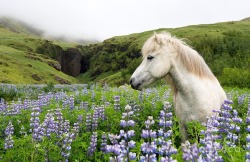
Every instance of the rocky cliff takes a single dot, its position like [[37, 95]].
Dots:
[[70, 61]]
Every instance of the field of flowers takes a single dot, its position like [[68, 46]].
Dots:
[[102, 123]]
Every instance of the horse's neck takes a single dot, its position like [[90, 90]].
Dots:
[[179, 79]]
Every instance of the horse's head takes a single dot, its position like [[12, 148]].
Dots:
[[157, 56]]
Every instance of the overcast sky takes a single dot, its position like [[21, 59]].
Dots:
[[102, 19]]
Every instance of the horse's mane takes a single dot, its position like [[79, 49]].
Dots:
[[193, 62]]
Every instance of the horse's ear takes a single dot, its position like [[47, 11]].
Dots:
[[156, 38]]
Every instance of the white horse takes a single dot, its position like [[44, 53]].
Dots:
[[196, 90]]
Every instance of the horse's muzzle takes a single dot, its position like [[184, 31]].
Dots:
[[132, 83]]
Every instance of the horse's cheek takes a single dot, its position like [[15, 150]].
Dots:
[[160, 69]]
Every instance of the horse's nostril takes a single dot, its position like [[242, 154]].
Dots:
[[131, 80]]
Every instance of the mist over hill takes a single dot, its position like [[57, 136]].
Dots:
[[18, 26]]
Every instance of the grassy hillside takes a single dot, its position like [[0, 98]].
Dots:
[[19, 61], [225, 47]]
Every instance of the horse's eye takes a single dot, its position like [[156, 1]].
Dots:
[[150, 57]]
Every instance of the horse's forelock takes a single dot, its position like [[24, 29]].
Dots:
[[150, 46]]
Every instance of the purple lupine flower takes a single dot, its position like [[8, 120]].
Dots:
[[209, 150], [79, 118], [228, 123], [49, 124], [85, 91], [165, 148], [115, 148], [34, 120], [149, 147], [241, 99], [9, 131], [140, 97], [40, 101], [58, 122], [93, 143], [104, 143], [117, 102], [38, 133], [101, 112], [126, 143], [71, 102], [167, 159], [147, 157], [95, 117], [66, 126], [75, 129], [9, 142], [190, 152], [66, 145], [36, 129], [88, 122], [86, 106], [132, 156]]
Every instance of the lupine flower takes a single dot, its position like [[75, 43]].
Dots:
[[117, 102], [140, 97], [88, 122], [71, 102], [147, 157], [9, 142], [126, 144], [241, 99], [81, 105], [85, 90], [58, 122], [104, 143], [165, 148], [190, 152], [86, 106], [95, 117], [149, 147], [79, 118], [115, 148], [66, 145], [75, 129], [66, 126], [101, 112], [49, 124], [228, 123], [38, 133], [36, 129], [210, 145], [93, 144], [9, 131]]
